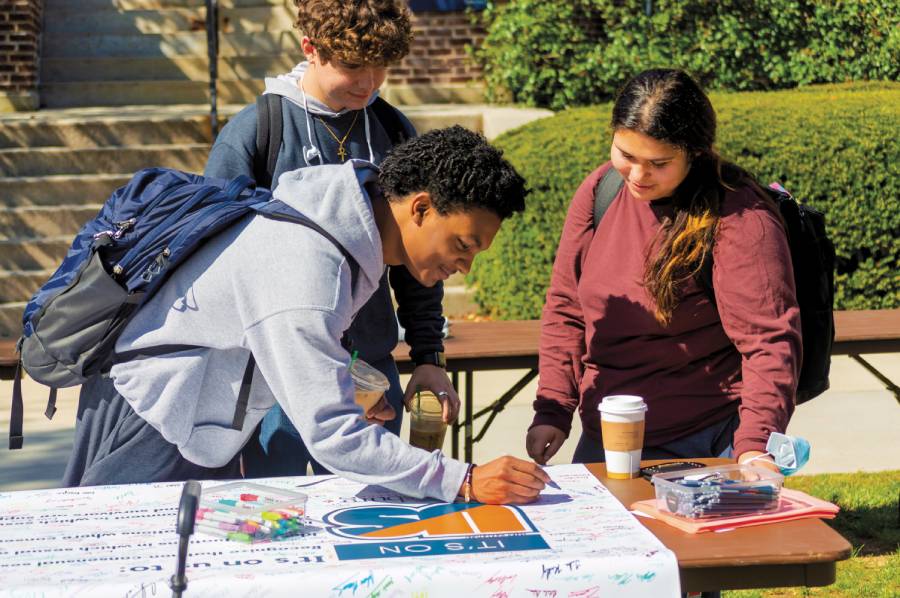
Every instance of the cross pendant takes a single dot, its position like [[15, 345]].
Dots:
[[341, 153]]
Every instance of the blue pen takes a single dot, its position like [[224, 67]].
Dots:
[[551, 483]]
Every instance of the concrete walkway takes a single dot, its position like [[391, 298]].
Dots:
[[853, 427]]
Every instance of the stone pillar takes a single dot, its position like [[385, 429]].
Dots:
[[20, 33]]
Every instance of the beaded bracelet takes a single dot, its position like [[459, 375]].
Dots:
[[467, 483]]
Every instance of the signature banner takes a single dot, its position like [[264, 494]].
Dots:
[[360, 541]]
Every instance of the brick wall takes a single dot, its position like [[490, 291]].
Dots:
[[20, 28], [438, 53]]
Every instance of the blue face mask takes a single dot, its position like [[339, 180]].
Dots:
[[790, 452]]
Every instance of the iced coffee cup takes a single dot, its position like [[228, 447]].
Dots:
[[426, 423], [370, 384], [622, 424]]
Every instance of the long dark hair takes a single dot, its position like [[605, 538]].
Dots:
[[669, 106]]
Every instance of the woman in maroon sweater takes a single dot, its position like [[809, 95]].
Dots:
[[626, 315]]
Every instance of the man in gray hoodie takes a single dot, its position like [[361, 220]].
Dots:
[[285, 294], [329, 108]]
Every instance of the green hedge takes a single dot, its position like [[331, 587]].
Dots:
[[578, 52], [835, 147]]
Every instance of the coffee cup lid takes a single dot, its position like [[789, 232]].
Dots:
[[622, 404], [368, 378]]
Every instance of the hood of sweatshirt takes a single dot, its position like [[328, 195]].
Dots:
[[287, 85], [280, 293], [335, 197]]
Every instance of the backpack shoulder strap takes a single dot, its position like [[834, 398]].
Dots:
[[269, 124], [389, 118], [278, 210], [704, 275], [16, 413], [605, 192], [243, 400]]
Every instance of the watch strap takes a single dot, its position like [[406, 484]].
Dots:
[[430, 358]]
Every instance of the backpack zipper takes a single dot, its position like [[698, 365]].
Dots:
[[121, 228]]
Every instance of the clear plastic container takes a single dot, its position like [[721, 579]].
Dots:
[[720, 491], [251, 513], [370, 384], [426, 422]]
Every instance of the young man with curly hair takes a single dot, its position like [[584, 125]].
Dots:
[[285, 294], [331, 113]]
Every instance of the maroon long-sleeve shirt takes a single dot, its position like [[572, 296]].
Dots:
[[599, 335]]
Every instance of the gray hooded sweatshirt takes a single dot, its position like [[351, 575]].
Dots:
[[419, 308], [285, 293]]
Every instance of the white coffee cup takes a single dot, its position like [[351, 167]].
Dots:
[[622, 424]]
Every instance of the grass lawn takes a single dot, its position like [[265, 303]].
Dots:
[[870, 520]]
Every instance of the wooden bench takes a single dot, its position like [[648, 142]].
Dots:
[[511, 345]]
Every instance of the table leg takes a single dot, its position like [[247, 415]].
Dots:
[[497, 406], [468, 417], [881, 377]]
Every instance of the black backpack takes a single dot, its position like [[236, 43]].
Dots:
[[813, 259], [269, 122]]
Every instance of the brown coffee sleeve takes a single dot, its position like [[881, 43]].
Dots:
[[622, 436]]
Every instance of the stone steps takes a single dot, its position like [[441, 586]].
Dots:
[[176, 68], [155, 4], [182, 43], [60, 189], [25, 162], [127, 93], [128, 52], [19, 286], [113, 21], [45, 253], [44, 221], [11, 320], [84, 130]]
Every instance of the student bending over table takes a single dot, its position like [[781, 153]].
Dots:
[[285, 294], [625, 313], [332, 113]]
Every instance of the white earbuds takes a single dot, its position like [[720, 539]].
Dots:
[[311, 154]]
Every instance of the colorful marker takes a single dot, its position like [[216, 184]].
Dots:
[[228, 527], [216, 516], [212, 531]]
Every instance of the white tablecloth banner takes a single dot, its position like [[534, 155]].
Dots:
[[363, 541]]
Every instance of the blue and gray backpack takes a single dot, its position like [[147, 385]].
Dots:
[[117, 262]]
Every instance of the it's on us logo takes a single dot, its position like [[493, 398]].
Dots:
[[386, 531]]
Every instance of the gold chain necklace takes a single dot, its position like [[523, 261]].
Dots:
[[342, 153]]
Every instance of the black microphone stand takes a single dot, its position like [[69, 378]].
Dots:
[[187, 510]]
